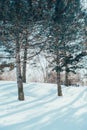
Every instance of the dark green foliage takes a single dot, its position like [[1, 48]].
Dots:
[[18, 11], [4, 10], [66, 10], [57, 69]]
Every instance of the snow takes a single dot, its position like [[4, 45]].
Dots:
[[84, 4], [42, 108]]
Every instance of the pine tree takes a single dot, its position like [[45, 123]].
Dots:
[[66, 28]]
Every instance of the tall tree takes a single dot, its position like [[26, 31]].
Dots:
[[64, 29]]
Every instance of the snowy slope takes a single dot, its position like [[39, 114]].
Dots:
[[42, 109]]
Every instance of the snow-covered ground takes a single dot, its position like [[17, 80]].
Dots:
[[42, 108]]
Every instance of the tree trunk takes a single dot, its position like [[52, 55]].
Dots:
[[66, 77], [24, 66], [25, 59], [18, 70], [59, 89]]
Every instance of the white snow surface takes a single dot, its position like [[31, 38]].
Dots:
[[42, 108]]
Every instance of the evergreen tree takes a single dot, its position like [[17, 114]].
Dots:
[[66, 28]]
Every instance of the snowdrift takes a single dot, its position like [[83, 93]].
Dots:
[[42, 108]]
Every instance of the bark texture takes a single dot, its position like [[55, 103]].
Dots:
[[18, 70], [66, 76], [25, 58], [59, 89]]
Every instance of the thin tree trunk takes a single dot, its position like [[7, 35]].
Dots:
[[66, 69], [59, 89], [18, 70], [25, 59], [24, 66], [46, 75], [66, 77]]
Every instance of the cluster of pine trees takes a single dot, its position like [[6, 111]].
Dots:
[[57, 27]]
